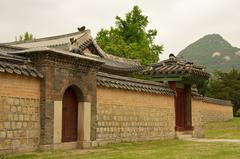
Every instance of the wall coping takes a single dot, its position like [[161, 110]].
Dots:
[[116, 81], [24, 70], [197, 96], [217, 101]]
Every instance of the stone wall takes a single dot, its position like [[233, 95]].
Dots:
[[204, 112], [133, 115], [19, 113]]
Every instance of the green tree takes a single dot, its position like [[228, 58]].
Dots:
[[203, 87], [226, 86], [130, 39], [25, 37]]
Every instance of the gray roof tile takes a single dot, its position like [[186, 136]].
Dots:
[[114, 81], [198, 96], [17, 65], [217, 101], [175, 65], [84, 40]]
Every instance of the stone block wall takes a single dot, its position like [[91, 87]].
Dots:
[[19, 113], [204, 112], [133, 115]]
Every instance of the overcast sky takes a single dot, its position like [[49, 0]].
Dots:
[[178, 22]]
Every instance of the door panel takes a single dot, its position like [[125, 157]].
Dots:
[[69, 116], [180, 109]]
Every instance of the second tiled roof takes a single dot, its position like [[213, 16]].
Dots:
[[175, 65]]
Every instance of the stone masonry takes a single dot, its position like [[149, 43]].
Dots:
[[204, 112], [131, 117], [19, 114], [19, 124]]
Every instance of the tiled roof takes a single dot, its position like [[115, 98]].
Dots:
[[43, 49], [112, 62], [217, 101], [84, 40], [121, 66], [198, 96], [175, 65], [108, 58], [195, 94], [8, 48], [17, 65], [47, 41], [12, 58], [114, 81]]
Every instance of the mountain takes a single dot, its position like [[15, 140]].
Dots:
[[213, 52]]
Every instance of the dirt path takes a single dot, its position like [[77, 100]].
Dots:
[[213, 140]]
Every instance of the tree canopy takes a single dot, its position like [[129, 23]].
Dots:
[[226, 86], [25, 37], [129, 38]]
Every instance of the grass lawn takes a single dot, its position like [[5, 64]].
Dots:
[[226, 130], [166, 149]]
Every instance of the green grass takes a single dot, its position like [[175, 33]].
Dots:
[[226, 130], [165, 149]]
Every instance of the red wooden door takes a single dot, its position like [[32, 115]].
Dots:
[[183, 112], [69, 116], [181, 120]]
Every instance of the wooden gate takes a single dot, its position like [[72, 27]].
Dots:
[[180, 109], [69, 116], [183, 109]]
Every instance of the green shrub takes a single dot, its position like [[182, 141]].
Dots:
[[237, 114]]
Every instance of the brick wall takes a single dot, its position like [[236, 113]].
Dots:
[[19, 113], [203, 112], [132, 115]]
